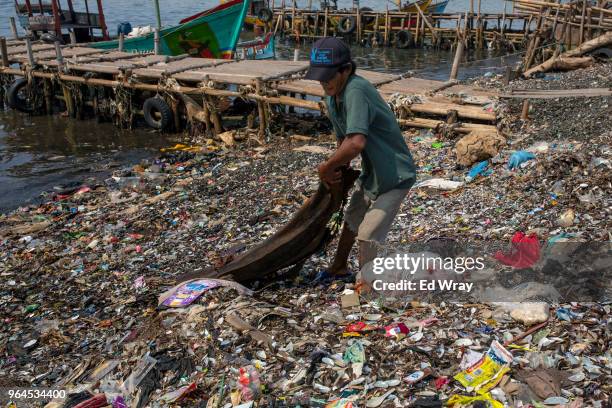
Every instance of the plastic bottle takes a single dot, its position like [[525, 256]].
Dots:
[[249, 383]]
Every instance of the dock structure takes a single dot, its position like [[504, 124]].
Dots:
[[404, 29], [562, 26], [178, 93]]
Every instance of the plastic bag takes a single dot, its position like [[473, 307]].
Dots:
[[488, 371]]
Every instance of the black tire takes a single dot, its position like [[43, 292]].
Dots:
[[265, 15], [157, 113], [603, 53], [367, 20], [15, 100], [347, 25], [403, 39]]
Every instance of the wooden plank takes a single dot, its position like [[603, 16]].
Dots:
[[410, 86], [115, 67], [241, 72], [557, 93], [21, 48], [174, 67], [42, 55]]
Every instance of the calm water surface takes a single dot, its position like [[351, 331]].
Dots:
[[39, 153]]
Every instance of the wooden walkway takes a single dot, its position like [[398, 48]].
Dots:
[[200, 83]]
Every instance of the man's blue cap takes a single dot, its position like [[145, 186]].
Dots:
[[328, 55]]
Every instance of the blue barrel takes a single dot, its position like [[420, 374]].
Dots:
[[124, 27]]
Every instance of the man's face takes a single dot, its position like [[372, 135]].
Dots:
[[334, 86]]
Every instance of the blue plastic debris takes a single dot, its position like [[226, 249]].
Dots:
[[565, 314], [519, 158], [479, 169]]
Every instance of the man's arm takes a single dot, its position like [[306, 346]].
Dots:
[[349, 148]]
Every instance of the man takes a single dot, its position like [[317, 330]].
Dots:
[[364, 125]]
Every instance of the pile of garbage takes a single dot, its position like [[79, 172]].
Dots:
[[82, 276]]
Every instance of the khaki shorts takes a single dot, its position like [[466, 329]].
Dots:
[[372, 219]]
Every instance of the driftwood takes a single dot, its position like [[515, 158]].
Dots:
[[572, 59], [305, 234]]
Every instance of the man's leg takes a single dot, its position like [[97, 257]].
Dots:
[[345, 244], [376, 225], [353, 216]]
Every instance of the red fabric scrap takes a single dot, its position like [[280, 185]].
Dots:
[[525, 251]]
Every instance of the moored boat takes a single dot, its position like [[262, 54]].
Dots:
[[212, 33], [259, 49]]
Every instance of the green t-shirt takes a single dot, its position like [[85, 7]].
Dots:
[[386, 161]]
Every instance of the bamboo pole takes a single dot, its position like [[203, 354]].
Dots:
[[359, 27], [261, 134], [29, 51], [59, 57], [73, 39], [326, 21], [14, 28], [121, 41], [457, 60], [581, 40], [418, 28], [387, 21], [433, 33]]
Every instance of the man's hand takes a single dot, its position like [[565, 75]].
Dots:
[[329, 174]]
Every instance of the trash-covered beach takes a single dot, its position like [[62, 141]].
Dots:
[[82, 273]]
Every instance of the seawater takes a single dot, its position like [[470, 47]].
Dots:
[[38, 153]]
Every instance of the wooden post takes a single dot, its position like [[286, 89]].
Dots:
[[418, 29], [589, 35], [582, 22], [433, 33], [326, 18], [121, 41], [293, 18], [156, 41], [261, 111], [73, 40], [14, 28], [102, 20], [359, 28], [316, 25], [525, 111], [68, 100], [457, 60], [57, 24], [59, 57], [30, 52], [387, 26], [503, 24], [3, 49]]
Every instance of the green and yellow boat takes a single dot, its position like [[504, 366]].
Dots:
[[212, 33]]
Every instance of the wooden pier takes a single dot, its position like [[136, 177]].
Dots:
[[406, 29], [178, 93]]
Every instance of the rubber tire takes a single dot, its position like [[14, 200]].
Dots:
[[152, 105], [13, 98], [367, 20], [603, 52], [265, 15], [403, 39], [352, 24]]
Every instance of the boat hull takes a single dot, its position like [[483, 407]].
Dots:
[[211, 34]]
